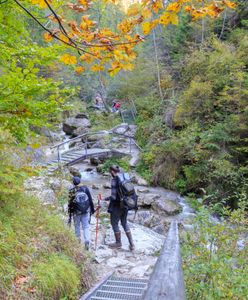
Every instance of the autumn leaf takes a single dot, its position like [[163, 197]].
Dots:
[[133, 9], [229, 4], [175, 6], [47, 37], [96, 68], [40, 3], [157, 5], [21, 280], [68, 59], [148, 26], [79, 70]]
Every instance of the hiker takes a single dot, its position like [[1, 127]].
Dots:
[[115, 106], [118, 210], [81, 207]]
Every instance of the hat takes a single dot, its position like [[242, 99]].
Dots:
[[76, 180]]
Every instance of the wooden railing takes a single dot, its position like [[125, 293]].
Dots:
[[166, 281]]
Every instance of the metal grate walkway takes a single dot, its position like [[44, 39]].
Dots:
[[120, 288]]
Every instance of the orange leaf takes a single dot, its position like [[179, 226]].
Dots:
[[68, 59], [47, 37], [79, 70]]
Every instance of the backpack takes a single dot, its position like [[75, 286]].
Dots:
[[127, 188], [129, 196], [81, 201]]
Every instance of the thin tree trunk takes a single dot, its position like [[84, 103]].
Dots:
[[203, 26], [103, 91], [157, 64], [223, 26]]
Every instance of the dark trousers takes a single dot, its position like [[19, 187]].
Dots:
[[119, 215]]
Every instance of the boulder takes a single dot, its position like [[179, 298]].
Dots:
[[81, 116], [75, 172], [166, 207], [107, 186], [94, 161], [75, 126], [120, 129], [79, 131], [136, 179], [148, 199]]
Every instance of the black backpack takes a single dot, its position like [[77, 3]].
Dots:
[[81, 202], [127, 190]]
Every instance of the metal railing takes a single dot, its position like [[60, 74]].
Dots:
[[86, 143]]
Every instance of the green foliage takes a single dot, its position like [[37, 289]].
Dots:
[[104, 121], [122, 163], [214, 259], [57, 277], [55, 271]]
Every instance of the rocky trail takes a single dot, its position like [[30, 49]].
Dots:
[[157, 208]]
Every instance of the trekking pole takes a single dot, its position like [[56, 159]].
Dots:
[[99, 197]]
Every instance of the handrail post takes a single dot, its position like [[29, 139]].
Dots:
[[86, 145], [130, 145], [59, 156]]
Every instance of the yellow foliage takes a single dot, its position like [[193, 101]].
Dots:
[[148, 26], [47, 37], [40, 3], [79, 70], [157, 5], [68, 59], [87, 58], [96, 68], [175, 6], [133, 9]]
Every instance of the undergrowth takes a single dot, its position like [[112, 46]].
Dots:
[[39, 257]]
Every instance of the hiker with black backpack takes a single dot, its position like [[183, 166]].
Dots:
[[123, 198], [81, 207]]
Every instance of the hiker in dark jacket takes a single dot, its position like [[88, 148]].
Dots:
[[81, 207], [117, 210]]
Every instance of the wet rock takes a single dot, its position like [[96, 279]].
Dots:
[[107, 186], [75, 126], [95, 187], [143, 191], [89, 169], [94, 161], [120, 129], [74, 172], [115, 262], [166, 207]]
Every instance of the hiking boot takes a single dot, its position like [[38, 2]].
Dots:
[[130, 239], [117, 244], [87, 245]]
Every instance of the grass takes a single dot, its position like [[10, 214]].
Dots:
[[39, 256]]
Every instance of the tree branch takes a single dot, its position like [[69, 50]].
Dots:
[[48, 30]]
